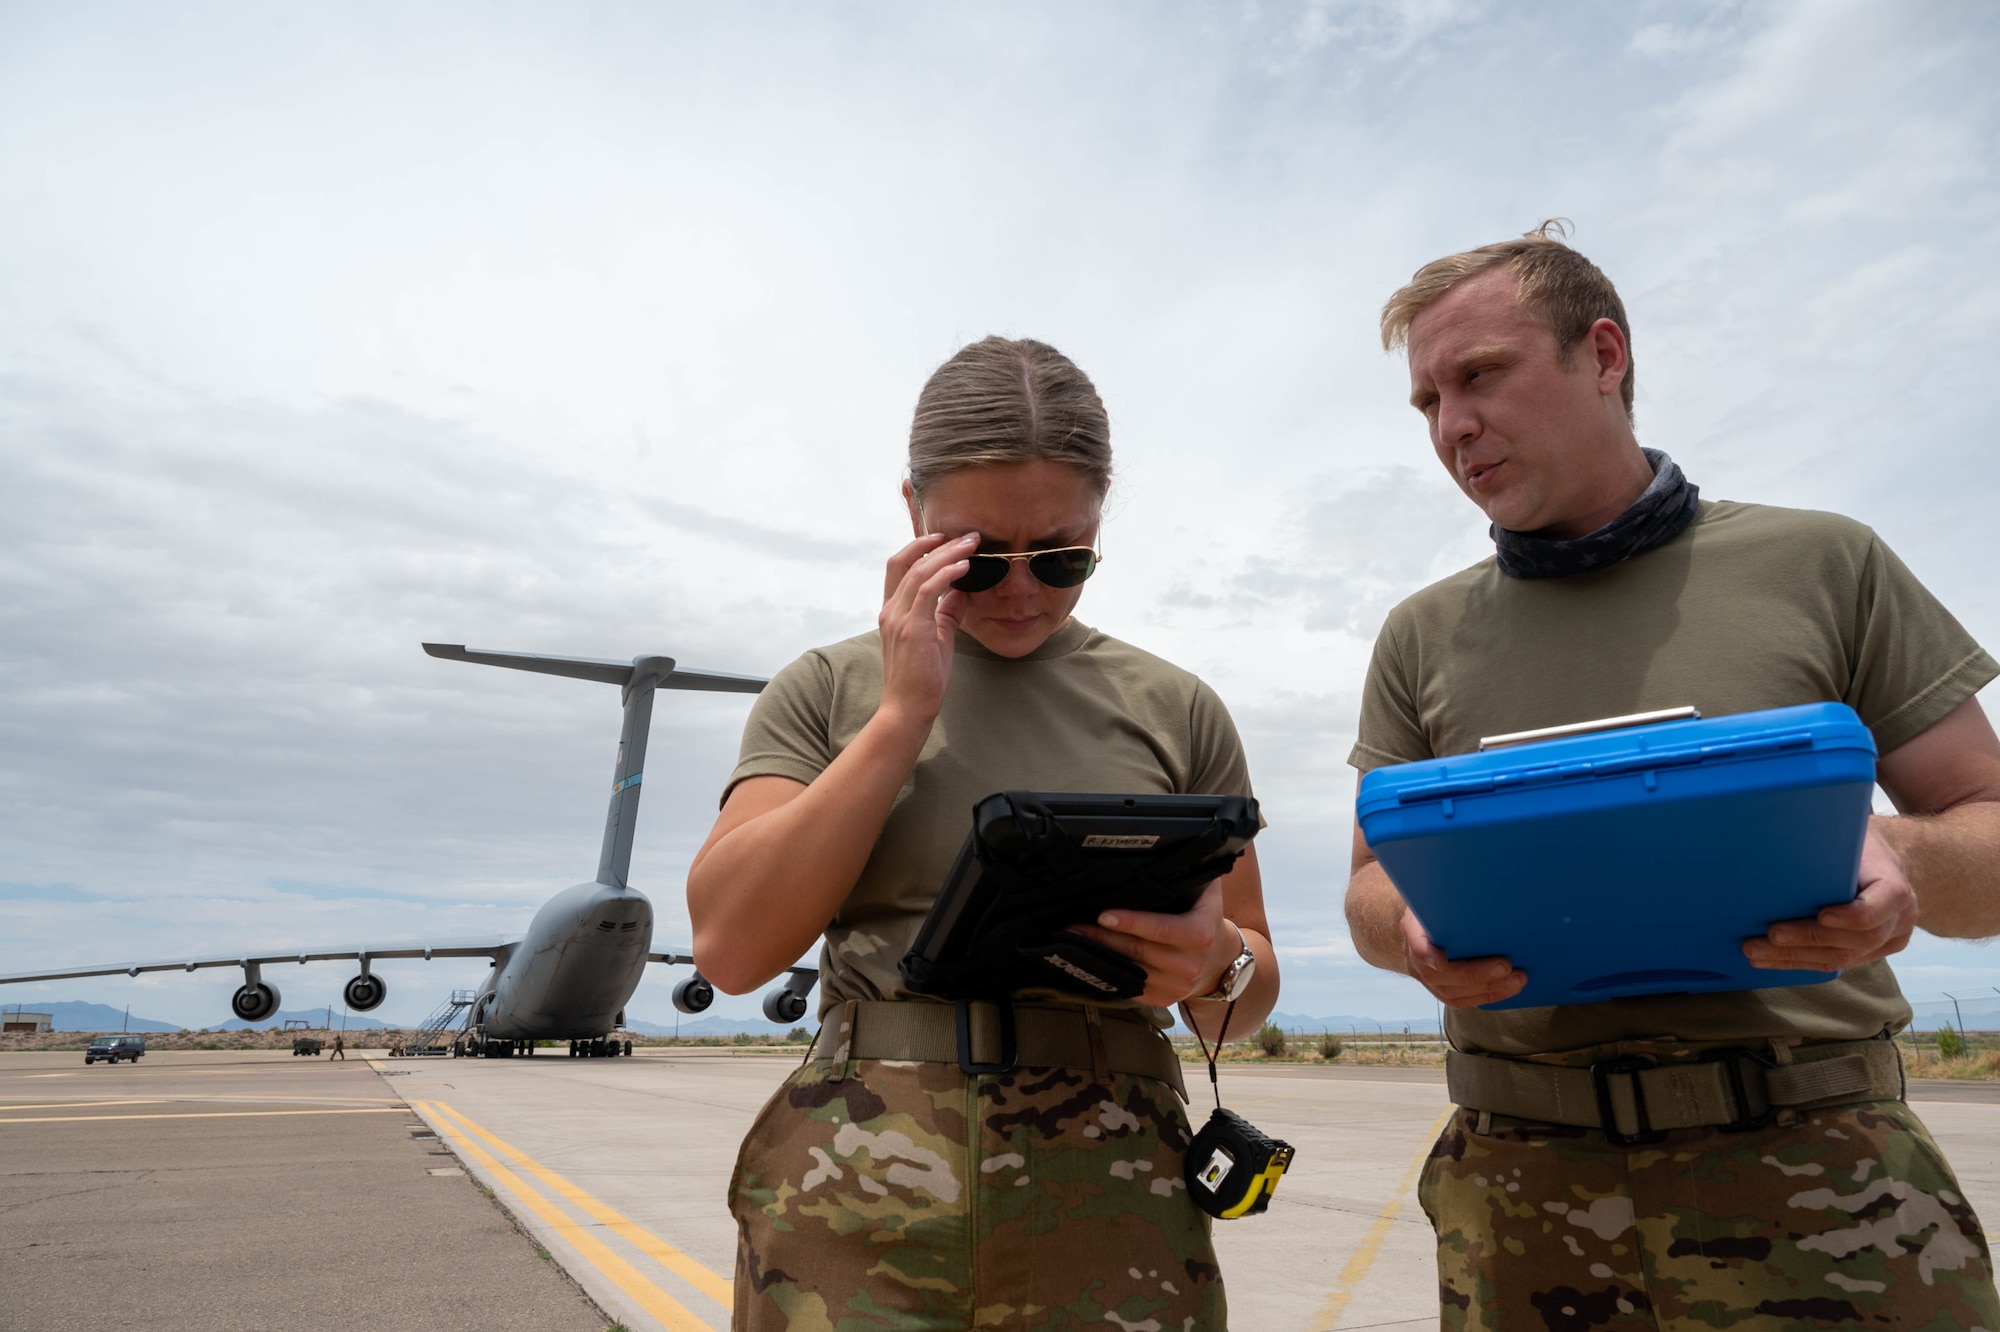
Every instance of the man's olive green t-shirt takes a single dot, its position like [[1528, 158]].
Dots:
[[1083, 712], [1749, 608]]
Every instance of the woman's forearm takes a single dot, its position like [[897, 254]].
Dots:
[[761, 891], [1252, 1008]]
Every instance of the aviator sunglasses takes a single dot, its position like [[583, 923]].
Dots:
[[1066, 567]]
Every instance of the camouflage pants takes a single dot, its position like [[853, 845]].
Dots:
[[909, 1196], [1851, 1216]]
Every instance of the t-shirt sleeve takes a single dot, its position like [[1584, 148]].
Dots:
[[789, 733], [1216, 763], [1912, 661], [1391, 729]]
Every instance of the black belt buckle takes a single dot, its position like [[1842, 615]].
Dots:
[[1745, 1122], [1600, 1080], [1009, 1056]]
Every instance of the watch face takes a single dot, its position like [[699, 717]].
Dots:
[[1238, 979]]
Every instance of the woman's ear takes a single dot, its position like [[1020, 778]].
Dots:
[[916, 510]]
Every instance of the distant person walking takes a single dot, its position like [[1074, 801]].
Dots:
[[883, 1185], [339, 1049]]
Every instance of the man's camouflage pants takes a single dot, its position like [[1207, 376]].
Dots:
[[910, 1196], [1850, 1217]]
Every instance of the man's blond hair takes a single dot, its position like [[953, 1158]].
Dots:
[[1569, 291]]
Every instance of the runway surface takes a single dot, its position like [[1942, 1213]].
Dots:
[[257, 1190], [622, 1165], [248, 1190]]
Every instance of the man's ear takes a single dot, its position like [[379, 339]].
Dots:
[[1608, 350], [916, 510]]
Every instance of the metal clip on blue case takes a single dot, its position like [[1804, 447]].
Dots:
[[1631, 861]]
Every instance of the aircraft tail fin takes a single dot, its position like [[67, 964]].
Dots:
[[667, 675], [637, 679]]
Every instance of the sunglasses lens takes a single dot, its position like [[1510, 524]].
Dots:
[[986, 571], [1064, 568]]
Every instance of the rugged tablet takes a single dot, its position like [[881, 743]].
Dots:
[[1035, 863]]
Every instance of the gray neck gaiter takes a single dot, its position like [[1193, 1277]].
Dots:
[[1660, 514]]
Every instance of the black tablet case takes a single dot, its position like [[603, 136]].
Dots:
[[1037, 862]]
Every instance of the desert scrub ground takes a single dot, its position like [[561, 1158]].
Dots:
[[1973, 1057]]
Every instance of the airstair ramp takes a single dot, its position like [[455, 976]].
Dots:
[[434, 1036]]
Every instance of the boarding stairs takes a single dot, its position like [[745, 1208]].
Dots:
[[434, 1036]]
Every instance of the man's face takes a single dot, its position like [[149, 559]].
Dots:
[[1528, 439]]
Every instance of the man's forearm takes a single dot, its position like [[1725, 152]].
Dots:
[[1953, 861], [1375, 918]]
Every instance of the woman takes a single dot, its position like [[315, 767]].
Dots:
[[882, 1186]]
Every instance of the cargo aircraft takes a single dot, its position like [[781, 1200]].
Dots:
[[569, 977]]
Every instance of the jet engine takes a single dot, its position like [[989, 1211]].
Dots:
[[784, 1006], [365, 992], [254, 1003], [694, 994], [787, 1003]]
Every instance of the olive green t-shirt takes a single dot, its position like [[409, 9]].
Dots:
[[1749, 608], [1083, 712]]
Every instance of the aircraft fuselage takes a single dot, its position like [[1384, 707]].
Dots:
[[573, 972]]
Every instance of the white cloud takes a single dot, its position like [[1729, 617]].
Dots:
[[332, 331]]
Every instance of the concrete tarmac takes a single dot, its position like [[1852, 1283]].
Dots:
[[252, 1190], [621, 1167], [249, 1190]]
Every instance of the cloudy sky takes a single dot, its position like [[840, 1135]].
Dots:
[[594, 329]]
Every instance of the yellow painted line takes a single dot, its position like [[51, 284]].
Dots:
[[670, 1311], [661, 1252], [1357, 1267], [324, 1100], [373, 1102], [205, 1114]]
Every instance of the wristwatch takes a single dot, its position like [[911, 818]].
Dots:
[[1235, 978]]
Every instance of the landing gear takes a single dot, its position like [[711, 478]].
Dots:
[[598, 1047]]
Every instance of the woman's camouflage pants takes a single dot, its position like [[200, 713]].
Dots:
[[909, 1196], [1851, 1217]]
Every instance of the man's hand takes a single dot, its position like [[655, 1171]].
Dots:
[[1875, 924], [1468, 984]]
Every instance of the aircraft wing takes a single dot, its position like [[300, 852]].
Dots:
[[487, 950], [672, 959]]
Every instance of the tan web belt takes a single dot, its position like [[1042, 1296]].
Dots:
[[1637, 1100], [1000, 1037]]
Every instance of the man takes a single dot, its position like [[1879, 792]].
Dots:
[[1615, 589]]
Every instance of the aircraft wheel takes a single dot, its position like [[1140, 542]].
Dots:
[[628, 1049]]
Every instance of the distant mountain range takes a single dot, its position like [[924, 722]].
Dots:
[[70, 1015], [316, 1017], [73, 1016]]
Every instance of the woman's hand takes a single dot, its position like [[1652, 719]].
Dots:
[[1183, 955], [920, 613]]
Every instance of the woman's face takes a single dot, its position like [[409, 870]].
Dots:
[[1020, 507]]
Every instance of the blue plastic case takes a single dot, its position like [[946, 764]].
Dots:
[[1630, 861]]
